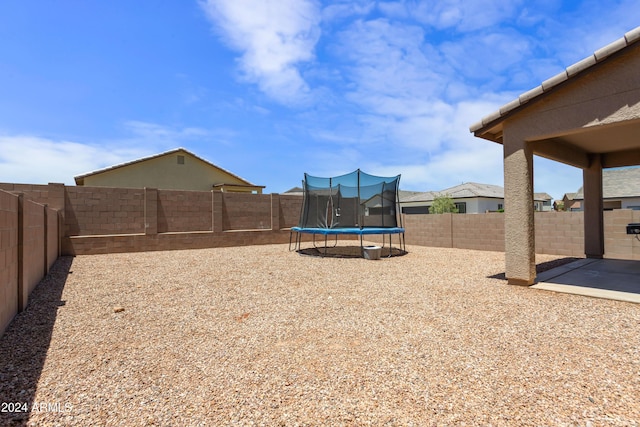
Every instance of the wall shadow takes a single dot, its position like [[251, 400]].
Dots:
[[543, 266], [24, 345]]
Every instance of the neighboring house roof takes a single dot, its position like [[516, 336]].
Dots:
[[617, 183], [294, 190], [462, 191], [542, 197], [467, 190], [474, 189], [423, 196], [403, 194], [80, 178], [546, 86], [569, 196]]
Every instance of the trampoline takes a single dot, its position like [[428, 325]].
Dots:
[[356, 204]]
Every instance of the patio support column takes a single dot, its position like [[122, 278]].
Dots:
[[593, 207], [518, 211]]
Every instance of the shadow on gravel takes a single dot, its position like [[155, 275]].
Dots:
[[543, 266], [24, 345], [347, 252]]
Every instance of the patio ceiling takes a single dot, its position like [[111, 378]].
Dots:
[[618, 143]]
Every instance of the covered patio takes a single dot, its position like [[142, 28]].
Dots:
[[588, 116]]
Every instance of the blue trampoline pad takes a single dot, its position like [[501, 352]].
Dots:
[[349, 230]]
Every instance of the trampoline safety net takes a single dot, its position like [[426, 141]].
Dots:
[[356, 199]]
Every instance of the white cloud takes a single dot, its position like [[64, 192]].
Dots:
[[274, 37], [487, 56], [163, 135], [383, 58], [346, 9], [40, 160], [34, 160], [459, 14]]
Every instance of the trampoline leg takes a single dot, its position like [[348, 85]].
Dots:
[[297, 242], [390, 244]]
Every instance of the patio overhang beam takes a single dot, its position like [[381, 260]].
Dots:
[[561, 152], [621, 158]]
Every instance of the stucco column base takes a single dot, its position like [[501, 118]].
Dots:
[[520, 282]]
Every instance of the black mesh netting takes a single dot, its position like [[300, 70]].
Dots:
[[356, 199]]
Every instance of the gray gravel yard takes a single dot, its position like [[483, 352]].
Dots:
[[261, 336]]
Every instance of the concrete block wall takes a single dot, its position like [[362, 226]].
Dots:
[[617, 243], [156, 214], [29, 245], [8, 258], [289, 210], [103, 211], [429, 230], [484, 233], [182, 211], [34, 248], [246, 211], [172, 219], [52, 195], [560, 233]]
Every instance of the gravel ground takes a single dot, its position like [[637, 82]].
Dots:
[[262, 336]]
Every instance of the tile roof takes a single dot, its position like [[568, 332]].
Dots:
[[571, 71], [462, 191], [542, 196], [467, 190], [617, 183], [423, 196], [474, 189]]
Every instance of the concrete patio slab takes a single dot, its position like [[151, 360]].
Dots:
[[599, 278]]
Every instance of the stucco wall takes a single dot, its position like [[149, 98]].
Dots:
[[164, 172], [631, 202]]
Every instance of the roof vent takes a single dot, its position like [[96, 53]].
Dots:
[[181, 160]]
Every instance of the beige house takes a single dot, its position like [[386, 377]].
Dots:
[[176, 169], [588, 116]]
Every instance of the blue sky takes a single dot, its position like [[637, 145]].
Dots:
[[272, 89]]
